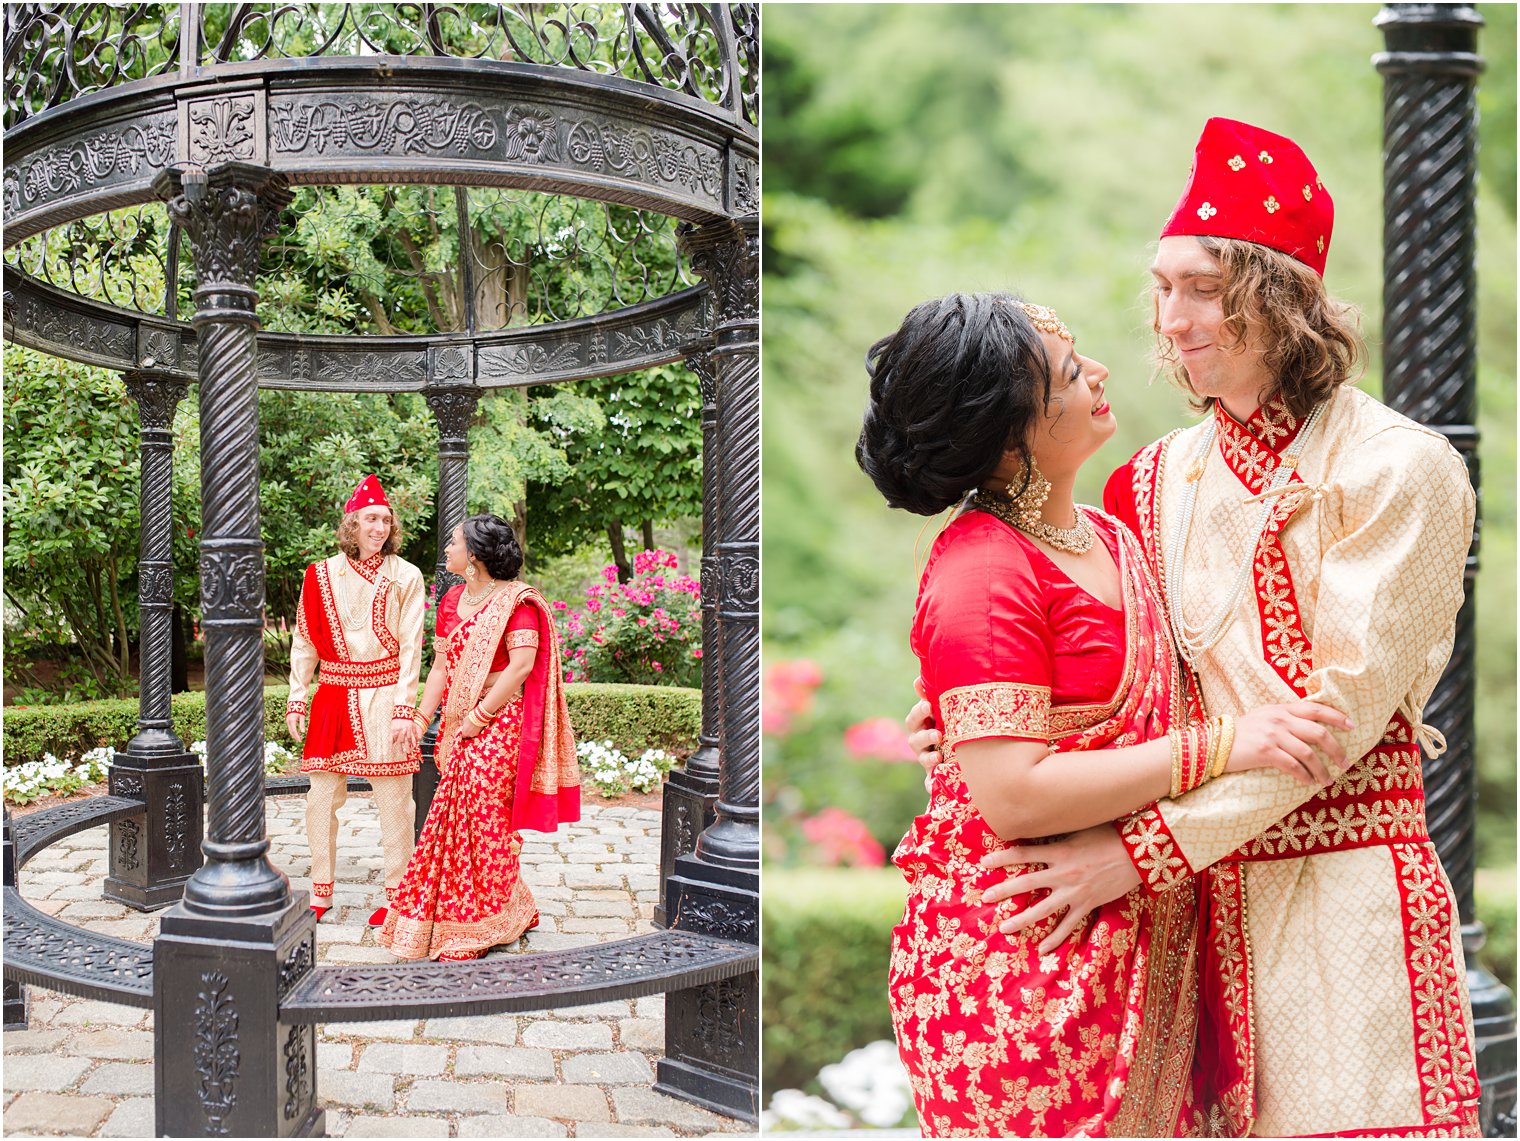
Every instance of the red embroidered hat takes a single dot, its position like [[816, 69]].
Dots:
[[369, 493], [1250, 184]]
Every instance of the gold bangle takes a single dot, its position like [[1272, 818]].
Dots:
[[485, 718], [421, 721], [1175, 737], [1226, 743]]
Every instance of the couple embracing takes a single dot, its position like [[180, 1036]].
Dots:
[[1174, 876]]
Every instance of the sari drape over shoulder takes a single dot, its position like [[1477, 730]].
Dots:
[[462, 893], [1097, 1038]]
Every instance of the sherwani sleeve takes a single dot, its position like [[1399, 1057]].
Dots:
[[1389, 590], [411, 605], [303, 655]]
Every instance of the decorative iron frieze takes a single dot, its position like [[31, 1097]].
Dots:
[[226, 127], [719, 1027], [232, 583], [217, 1057], [380, 125], [125, 783], [644, 964], [52, 953], [298, 1087], [130, 153], [450, 364], [128, 836], [646, 156], [177, 824]]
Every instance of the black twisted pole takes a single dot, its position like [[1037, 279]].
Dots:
[[690, 792], [1430, 118], [155, 767], [728, 257], [227, 214], [453, 407]]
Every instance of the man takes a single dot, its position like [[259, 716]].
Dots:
[[1309, 543], [360, 633]]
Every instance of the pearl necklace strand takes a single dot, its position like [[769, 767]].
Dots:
[[1195, 641], [351, 619]]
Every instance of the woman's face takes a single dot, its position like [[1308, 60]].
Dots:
[[456, 556], [1077, 419]]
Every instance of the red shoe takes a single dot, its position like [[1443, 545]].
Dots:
[[321, 911], [534, 924], [377, 917]]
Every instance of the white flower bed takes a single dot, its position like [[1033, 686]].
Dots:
[[33, 780], [869, 1087], [612, 774]]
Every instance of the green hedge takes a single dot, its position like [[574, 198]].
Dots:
[[1495, 901], [634, 717], [824, 967]]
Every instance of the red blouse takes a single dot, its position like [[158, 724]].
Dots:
[[522, 627], [993, 608]]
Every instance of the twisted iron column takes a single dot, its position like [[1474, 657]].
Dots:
[[1430, 374], [453, 407], [691, 791], [712, 1032], [223, 1061], [152, 857]]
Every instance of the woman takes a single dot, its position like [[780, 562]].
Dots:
[[505, 754], [1045, 654]]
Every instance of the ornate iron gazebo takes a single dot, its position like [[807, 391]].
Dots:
[[218, 115]]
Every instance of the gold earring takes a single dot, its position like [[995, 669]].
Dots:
[[469, 569], [1027, 503]]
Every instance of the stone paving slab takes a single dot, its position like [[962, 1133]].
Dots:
[[84, 1068]]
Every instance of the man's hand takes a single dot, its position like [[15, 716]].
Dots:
[[923, 738], [1082, 872], [404, 732], [295, 725]]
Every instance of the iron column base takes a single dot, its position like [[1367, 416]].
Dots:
[[1493, 1009], [687, 809], [224, 1063], [17, 1006], [154, 855]]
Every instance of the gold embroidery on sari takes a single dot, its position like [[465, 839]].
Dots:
[[995, 709]]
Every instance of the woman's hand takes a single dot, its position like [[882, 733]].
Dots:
[[1292, 738], [468, 729], [923, 738]]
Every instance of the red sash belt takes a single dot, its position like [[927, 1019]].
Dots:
[[1380, 800], [360, 675]]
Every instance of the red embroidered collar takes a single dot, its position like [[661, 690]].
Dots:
[[370, 567], [1250, 450], [1271, 424]]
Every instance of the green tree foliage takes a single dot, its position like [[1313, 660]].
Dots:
[[71, 504], [643, 469]]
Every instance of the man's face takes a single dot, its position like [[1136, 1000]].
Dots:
[[1188, 289], [374, 529]]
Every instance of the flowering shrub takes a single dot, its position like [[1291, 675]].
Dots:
[[869, 1087], [612, 774], [276, 757], [647, 631], [837, 837], [880, 738], [33, 780], [789, 689]]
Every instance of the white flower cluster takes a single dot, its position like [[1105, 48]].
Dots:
[[276, 757], [32, 780], [870, 1083], [613, 774]]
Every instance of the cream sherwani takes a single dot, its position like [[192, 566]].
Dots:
[[1337, 995], [360, 636]]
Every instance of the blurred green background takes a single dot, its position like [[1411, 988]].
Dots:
[[914, 150]]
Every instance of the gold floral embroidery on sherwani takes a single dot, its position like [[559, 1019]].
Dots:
[[1333, 930]]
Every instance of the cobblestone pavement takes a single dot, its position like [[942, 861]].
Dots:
[[85, 1068]]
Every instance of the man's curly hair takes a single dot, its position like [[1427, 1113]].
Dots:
[[1313, 343], [348, 535]]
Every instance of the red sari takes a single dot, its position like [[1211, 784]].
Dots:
[[1097, 1038], [462, 892]]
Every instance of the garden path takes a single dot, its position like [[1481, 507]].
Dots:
[[85, 1068]]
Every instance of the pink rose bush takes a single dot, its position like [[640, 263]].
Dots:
[[647, 631]]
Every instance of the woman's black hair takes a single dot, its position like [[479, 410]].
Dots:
[[492, 540], [960, 382]]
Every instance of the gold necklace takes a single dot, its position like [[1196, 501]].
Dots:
[[1078, 540], [476, 599]]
